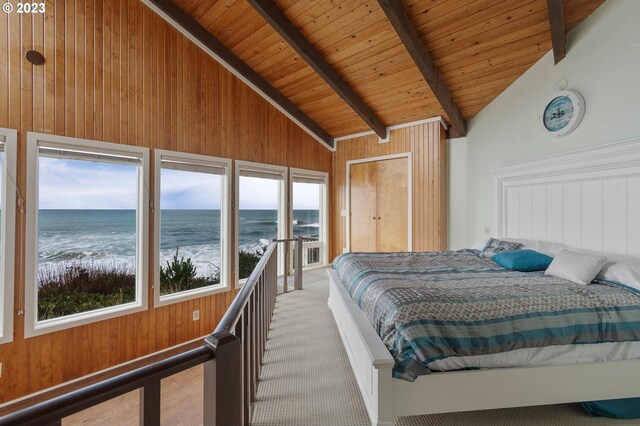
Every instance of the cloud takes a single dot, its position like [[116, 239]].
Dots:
[[189, 190], [85, 185]]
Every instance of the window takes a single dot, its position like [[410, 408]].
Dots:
[[8, 141], [86, 232], [191, 219], [260, 213], [309, 215]]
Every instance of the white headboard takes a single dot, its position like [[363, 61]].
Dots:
[[587, 199]]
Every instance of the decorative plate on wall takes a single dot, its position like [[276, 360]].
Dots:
[[562, 113]]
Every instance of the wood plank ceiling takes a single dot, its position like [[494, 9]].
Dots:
[[478, 46]]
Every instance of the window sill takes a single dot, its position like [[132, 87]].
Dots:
[[80, 319], [190, 295]]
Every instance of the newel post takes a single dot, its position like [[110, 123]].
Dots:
[[223, 381]]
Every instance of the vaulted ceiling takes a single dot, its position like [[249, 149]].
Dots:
[[479, 47]]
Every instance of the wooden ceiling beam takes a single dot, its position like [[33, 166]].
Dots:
[[233, 61], [557, 26], [406, 31], [274, 16]]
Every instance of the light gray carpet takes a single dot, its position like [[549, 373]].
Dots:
[[307, 379]]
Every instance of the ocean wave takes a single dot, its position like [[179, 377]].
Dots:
[[71, 255], [259, 222], [307, 225], [108, 237], [205, 257]]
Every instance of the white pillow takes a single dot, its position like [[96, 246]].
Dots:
[[619, 268], [625, 272], [579, 268]]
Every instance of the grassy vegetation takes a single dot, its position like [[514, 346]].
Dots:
[[73, 287]]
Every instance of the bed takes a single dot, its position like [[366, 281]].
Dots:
[[367, 289]]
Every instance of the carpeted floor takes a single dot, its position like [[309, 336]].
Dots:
[[307, 379]]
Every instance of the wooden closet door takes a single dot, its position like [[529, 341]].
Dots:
[[392, 202], [362, 196]]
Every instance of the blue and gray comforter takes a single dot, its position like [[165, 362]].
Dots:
[[429, 306]]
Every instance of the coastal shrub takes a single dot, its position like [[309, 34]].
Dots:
[[181, 275], [248, 259], [177, 272], [73, 287], [69, 288], [71, 303]]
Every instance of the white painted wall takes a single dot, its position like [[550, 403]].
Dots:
[[457, 152], [602, 63]]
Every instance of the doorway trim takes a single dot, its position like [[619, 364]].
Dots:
[[409, 157]]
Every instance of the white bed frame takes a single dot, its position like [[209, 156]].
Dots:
[[609, 167]]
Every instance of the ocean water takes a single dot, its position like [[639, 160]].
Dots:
[[108, 236]]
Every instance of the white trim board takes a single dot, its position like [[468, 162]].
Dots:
[[394, 127], [8, 222], [409, 157], [587, 199], [232, 70]]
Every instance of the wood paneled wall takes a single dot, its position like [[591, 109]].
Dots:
[[427, 143], [116, 72]]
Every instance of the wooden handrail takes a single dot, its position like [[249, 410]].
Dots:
[[232, 358]]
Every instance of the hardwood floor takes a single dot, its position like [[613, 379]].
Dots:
[[181, 404]]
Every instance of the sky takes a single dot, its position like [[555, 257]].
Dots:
[[74, 184], [189, 190]]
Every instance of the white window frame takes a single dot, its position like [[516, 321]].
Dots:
[[7, 248], [33, 327], [282, 209], [324, 212], [225, 230]]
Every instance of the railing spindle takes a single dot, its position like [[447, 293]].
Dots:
[[297, 282], [287, 267], [265, 310], [150, 404], [254, 347], [239, 332], [246, 366], [259, 321]]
